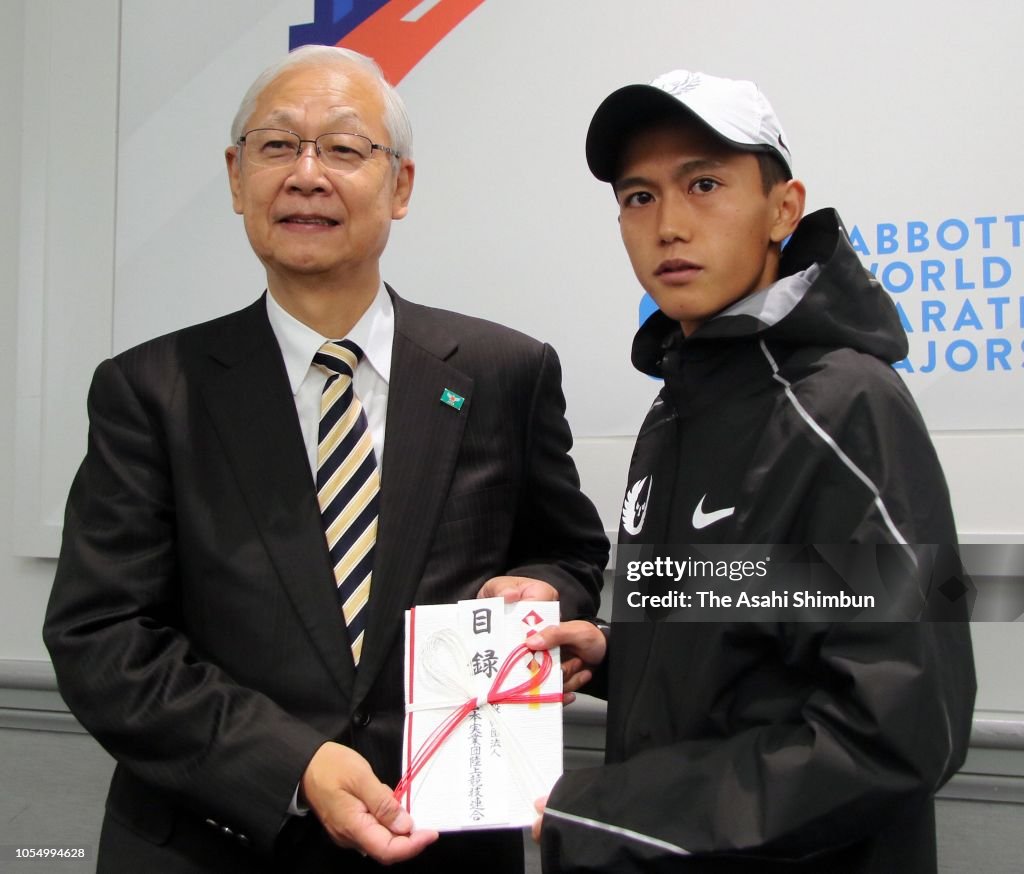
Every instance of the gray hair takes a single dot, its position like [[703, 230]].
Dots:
[[396, 118]]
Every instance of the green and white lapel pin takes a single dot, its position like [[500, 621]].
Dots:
[[452, 399]]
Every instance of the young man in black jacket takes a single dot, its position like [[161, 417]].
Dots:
[[770, 746]]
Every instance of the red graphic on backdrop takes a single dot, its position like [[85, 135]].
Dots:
[[398, 34]]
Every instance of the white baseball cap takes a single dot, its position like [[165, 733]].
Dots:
[[732, 109]]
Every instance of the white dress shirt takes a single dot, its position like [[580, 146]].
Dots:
[[374, 333]]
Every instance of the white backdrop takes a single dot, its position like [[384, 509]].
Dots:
[[903, 116], [129, 75]]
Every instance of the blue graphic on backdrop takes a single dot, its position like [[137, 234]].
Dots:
[[957, 295], [332, 21], [647, 307]]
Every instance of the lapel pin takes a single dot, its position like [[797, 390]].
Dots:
[[452, 399]]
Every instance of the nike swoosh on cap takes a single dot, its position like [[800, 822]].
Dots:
[[702, 519]]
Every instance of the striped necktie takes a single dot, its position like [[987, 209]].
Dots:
[[347, 484]]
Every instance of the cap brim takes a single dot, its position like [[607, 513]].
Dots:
[[620, 114], [632, 108]]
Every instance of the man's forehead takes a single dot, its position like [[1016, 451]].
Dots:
[[289, 115], [338, 94]]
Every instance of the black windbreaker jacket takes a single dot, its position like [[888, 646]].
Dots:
[[777, 747]]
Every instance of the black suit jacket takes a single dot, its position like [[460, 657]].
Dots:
[[193, 622]]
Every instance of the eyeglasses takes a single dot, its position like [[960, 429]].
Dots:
[[343, 153]]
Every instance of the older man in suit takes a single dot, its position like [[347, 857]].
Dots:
[[265, 494]]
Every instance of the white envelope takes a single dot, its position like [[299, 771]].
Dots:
[[496, 759]]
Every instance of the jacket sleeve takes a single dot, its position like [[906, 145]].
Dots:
[[558, 534], [885, 713], [125, 667]]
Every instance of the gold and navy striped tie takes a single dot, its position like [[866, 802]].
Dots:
[[347, 484]]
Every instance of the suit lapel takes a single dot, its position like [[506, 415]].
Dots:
[[252, 407], [421, 443]]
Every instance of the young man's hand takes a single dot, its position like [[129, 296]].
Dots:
[[583, 649]]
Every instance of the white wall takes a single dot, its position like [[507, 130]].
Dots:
[[60, 81], [74, 264], [24, 582]]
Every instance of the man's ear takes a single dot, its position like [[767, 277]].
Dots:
[[788, 199], [403, 189], [232, 158]]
